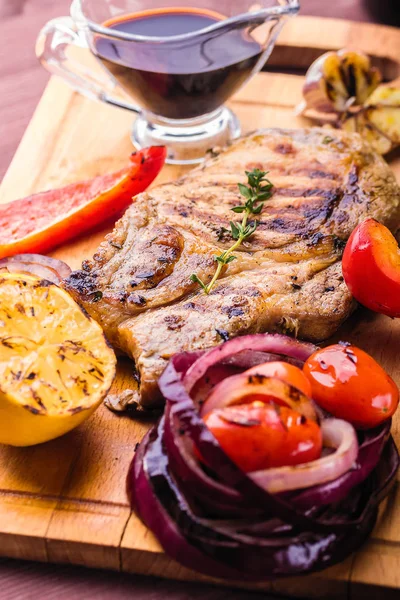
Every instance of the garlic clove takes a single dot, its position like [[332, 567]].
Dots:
[[387, 121], [385, 95], [360, 78], [383, 110], [323, 88]]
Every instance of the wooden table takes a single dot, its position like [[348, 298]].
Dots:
[[22, 81]]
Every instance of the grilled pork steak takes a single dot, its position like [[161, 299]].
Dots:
[[287, 276]]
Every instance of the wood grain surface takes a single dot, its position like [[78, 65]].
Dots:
[[73, 509]]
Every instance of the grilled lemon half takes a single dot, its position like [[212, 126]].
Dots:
[[55, 363]]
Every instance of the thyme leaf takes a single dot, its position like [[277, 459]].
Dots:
[[256, 193]]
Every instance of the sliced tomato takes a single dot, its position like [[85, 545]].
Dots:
[[371, 268], [45, 220], [245, 389], [284, 371], [276, 381], [349, 384], [259, 436]]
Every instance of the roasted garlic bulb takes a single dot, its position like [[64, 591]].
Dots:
[[338, 80], [342, 88]]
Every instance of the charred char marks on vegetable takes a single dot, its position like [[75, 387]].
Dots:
[[351, 356]]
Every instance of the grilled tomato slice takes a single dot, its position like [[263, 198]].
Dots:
[[284, 371], [260, 436], [55, 363]]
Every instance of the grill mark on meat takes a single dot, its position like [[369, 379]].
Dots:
[[83, 283], [136, 299], [253, 292], [319, 174], [300, 209], [224, 335], [307, 193], [305, 218], [352, 182], [193, 306], [317, 206], [315, 170], [315, 239]]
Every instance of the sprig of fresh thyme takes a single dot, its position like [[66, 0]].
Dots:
[[256, 193]]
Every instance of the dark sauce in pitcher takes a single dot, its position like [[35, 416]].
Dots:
[[184, 79]]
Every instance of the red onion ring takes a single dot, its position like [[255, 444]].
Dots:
[[31, 269], [153, 513], [234, 390], [254, 550], [53, 263], [249, 358], [45, 267], [189, 421], [268, 342], [371, 447], [182, 459], [337, 434]]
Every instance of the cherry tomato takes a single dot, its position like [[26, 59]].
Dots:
[[371, 268], [284, 371], [349, 384], [260, 436]]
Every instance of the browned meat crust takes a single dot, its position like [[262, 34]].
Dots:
[[288, 274]]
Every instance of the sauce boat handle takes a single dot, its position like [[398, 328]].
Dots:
[[77, 67]]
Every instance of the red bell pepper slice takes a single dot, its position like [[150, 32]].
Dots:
[[371, 268], [40, 222]]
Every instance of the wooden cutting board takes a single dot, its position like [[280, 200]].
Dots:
[[65, 501]]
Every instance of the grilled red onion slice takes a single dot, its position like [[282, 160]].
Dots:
[[234, 390], [190, 423], [273, 343], [149, 506], [31, 269], [371, 448], [217, 519], [251, 549], [45, 267], [47, 261], [337, 434]]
